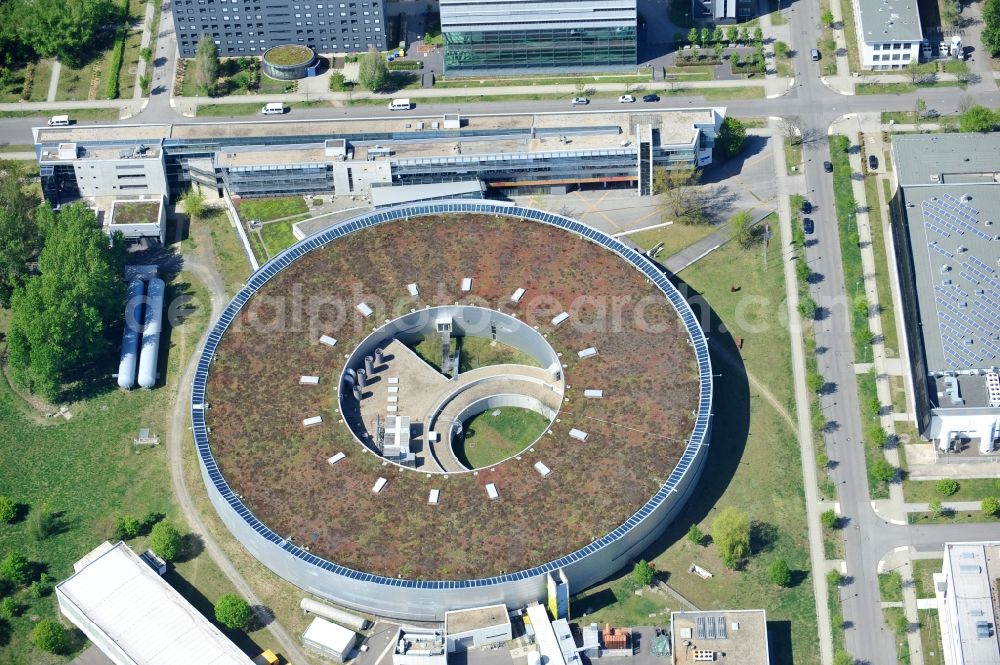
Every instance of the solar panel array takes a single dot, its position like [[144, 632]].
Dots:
[[710, 628], [688, 464], [969, 323]]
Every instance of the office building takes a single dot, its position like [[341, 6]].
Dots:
[[545, 152], [250, 27], [733, 637], [132, 615], [966, 599], [947, 244], [490, 38], [724, 11], [888, 33]]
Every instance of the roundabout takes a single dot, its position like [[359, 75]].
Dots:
[[331, 390]]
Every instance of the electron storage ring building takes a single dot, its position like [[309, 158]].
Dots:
[[322, 421]]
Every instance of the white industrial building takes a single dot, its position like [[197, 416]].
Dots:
[[553, 638], [131, 614], [888, 32], [415, 646], [329, 639], [966, 600], [138, 218], [477, 627]]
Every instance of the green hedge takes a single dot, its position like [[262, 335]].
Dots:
[[404, 65], [111, 89]]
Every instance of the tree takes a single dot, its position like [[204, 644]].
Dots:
[[719, 49], [127, 528], [717, 35], [882, 471], [936, 508], [834, 578], [165, 541], [732, 136], [815, 380], [991, 506], [902, 624], [706, 36], [946, 486], [732, 34], [695, 535], [50, 636], [18, 233], [744, 35], [194, 201], [643, 573], [826, 17], [206, 65], [373, 73], [919, 108], [758, 35], [693, 36], [232, 611], [779, 573], [731, 534], [829, 519], [781, 49], [742, 229], [991, 26], [61, 319], [841, 657], [977, 119], [66, 29], [877, 434], [8, 509], [15, 568], [10, 608]]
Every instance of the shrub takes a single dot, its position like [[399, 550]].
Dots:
[[815, 380], [877, 435], [10, 608], [127, 528], [991, 506], [779, 573], [232, 611], [731, 534], [834, 578], [44, 523], [146, 53], [695, 535], [843, 658], [936, 508], [117, 55], [29, 82], [883, 471], [50, 636], [946, 487], [829, 519], [642, 573], [8, 509], [781, 49], [338, 83], [165, 541], [15, 568]]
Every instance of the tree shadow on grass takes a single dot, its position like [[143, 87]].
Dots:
[[206, 607]]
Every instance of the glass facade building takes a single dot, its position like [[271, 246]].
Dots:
[[487, 37]]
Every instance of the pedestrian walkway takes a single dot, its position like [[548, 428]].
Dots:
[[899, 561], [54, 80], [144, 42]]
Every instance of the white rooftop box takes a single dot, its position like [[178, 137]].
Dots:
[[578, 434]]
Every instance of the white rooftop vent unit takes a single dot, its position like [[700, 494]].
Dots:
[[491, 491], [67, 151], [336, 148], [452, 121], [559, 318], [313, 421], [517, 295], [336, 458], [365, 310], [577, 434], [306, 380], [329, 341], [467, 284], [412, 288], [434, 497], [588, 352], [379, 485], [543, 470], [935, 177], [593, 394]]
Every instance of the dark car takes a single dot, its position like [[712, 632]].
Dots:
[[807, 225], [828, 167], [872, 162], [650, 98], [806, 207]]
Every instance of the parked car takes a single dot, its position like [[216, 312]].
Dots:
[[807, 225], [650, 98], [872, 162], [931, 113], [580, 101], [806, 207], [828, 166], [814, 53], [626, 99]]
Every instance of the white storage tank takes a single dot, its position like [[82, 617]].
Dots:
[[130, 338], [153, 323], [344, 618]]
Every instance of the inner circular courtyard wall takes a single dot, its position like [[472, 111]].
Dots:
[[429, 599]]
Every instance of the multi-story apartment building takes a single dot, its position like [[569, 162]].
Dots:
[[250, 27], [487, 37], [888, 33]]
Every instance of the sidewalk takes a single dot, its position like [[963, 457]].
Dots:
[[140, 70], [899, 560]]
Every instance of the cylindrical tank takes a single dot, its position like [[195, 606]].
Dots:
[[378, 356], [153, 322], [357, 393], [130, 338], [332, 613], [362, 378], [369, 365]]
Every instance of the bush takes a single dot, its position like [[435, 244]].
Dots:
[[29, 82], [165, 541], [115, 69], [15, 568], [695, 535], [44, 523], [946, 487], [731, 534], [883, 471], [815, 380], [127, 528], [936, 508], [877, 435], [829, 519], [50, 636], [8, 509], [10, 608], [834, 578], [991, 506], [781, 49], [146, 54], [405, 65], [232, 611], [643, 573], [779, 573]]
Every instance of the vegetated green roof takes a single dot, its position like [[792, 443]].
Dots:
[[637, 432], [289, 54], [136, 212]]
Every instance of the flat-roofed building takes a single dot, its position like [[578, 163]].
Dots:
[[888, 32], [329, 639], [966, 599], [138, 219], [415, 646], [727, 637], [131, 614], [947, 243], [477, 627], [490, 37]]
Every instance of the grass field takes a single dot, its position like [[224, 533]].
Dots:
[[850, 36], [890, 586], [754, 464], [482, 352], [279, 236], [881, 268], [549, 80], [674, 237], [900, 88], [969, 489], [891, 616], [270, 209], [233, 264], [74, 114], [488, 439], [17, 147], [793, 156], [923, 576], [930, 637], [229, 110]]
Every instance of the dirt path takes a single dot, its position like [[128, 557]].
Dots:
[[202, 266]]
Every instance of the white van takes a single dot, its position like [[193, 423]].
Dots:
[[59, 121], [400, 105], [276, 108]]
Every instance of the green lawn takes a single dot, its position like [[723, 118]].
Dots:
[[482, 352], [278, 235], [74, 114], [233, 265], [674, 237], [900, 88], [488, 439], [17, 147], [74, 83], [43, 75], [867, 394], [890, 586], [229, 110], [970, 489], [691, 73], [958, 517], [930, 637], [891, 615], [850, 36], [268, 209], [923, 576], [444, 82], [11, 92], [836, 617], [882, 278], [746, 92], [793, 156]]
